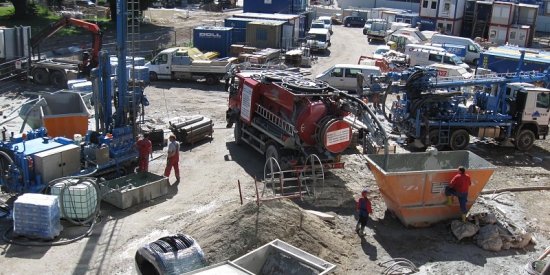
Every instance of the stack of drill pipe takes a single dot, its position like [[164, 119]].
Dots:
[[192, 129]]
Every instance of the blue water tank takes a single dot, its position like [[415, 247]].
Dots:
[[213, 39]]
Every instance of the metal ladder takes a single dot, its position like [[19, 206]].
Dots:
[[133, 50], [275, 119], [444, 132]]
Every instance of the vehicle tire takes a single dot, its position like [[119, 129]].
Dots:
[[434, 139], [525, 140], [369, 40], [364, 32], [272, 151], [40, 76], [475, 62], [58, 79], [153, 76], [211, 79], [238, 132], [348, 25], [460, 139]]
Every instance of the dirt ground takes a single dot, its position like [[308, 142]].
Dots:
[[206, 203]]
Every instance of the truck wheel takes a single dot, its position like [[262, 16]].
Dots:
[[58, 79], [238, 132], [460, 139], [272, 151], [153, 76], [364, 32], [212, 79], [475, 62], [40, 76], [369, 40], [525, 140], [434, 139]]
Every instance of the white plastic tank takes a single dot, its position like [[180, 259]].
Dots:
[[77, 139], [79, 198]]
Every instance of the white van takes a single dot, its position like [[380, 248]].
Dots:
[[318, 39], [412, 47], [420, 57], [344, 76], [473, 50], [328, 22]]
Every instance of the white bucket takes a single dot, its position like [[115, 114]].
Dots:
[[77, 139]]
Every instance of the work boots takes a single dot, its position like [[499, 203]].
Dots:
[[449, 201], [361, 231], [463, 218]]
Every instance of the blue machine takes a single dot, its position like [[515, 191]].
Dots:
[[108, 149], [446, 112]]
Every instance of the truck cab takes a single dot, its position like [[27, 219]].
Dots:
[[318, 39]]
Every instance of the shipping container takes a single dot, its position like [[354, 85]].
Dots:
[[291, 30], [519, 35], [278, 6], [451, 9], [506, 60], [527, 14], [409, 18], [427, 24], [264, 34], [428, 8], [213, 39], [503, 13], [239, 27], [498, 34], [449, 27]]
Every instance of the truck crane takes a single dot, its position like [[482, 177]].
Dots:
[[30, 161], [47, 71], [438, 112]]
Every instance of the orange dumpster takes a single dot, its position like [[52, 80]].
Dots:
[[413, 184]]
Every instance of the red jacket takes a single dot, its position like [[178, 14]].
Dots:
[[461, 182], [364, 206]]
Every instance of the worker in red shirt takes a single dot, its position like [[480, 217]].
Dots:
[[364, 208], [459, 187], [145, 148]]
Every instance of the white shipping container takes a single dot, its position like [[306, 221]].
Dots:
[[2, 47]]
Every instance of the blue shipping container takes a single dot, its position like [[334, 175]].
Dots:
[[426, 24], [276, 6], [508, 63], [213, 39]]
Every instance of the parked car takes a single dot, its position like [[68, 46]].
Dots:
[[157, 4], [317, 24], [354, 21], [169, 4], [380, 51]]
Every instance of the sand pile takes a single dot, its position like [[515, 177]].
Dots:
[[227, 236]]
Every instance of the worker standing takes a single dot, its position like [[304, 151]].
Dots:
[[459, 187], [364, 208], [173, 158], [145, 149], [360, 81]]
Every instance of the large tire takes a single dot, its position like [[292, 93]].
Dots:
[[272, 151], [434, 139], [153, 76], [58, 79], [237, 131], [460, 139], [525, 140], [211, 79], [40, 76]]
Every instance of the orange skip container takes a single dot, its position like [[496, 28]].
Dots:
[[413, 184]]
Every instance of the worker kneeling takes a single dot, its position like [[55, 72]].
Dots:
[[459, 187]]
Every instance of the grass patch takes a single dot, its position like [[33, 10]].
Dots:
[[45, 18]]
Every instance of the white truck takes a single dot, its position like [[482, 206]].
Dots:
[[175, 63]]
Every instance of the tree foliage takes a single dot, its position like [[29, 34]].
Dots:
[[23, 10]]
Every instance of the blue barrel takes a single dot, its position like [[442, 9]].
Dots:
[[213, 39]]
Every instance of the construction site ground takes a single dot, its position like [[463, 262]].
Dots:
[[206, 203]]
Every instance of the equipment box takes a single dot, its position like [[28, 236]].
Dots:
[[133, 189]]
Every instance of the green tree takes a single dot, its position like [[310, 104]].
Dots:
[[23, 9]]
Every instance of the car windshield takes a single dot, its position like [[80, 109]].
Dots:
[[318, 25], [381, 51], [327, 21], [320, 37]]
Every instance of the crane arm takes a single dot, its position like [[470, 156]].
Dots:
[[53, 28]]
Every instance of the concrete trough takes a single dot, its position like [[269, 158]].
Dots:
[[413, 184], [134, 189]]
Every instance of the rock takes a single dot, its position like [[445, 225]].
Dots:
[[489, 238], [463, 230]]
